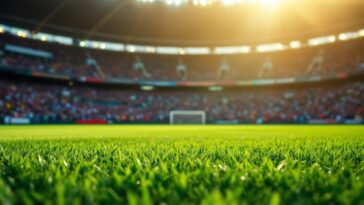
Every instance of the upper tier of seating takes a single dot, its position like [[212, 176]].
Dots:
[[75, 61]]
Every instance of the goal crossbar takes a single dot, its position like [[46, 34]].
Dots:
[[173, 114]]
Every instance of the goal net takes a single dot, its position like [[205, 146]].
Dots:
[[187, 117]]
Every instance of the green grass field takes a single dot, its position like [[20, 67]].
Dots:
[[182, 165]]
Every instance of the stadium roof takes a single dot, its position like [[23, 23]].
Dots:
[[132, 21]]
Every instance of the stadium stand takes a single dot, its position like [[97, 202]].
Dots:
[[42, 103], [74, 61], [34, 102]]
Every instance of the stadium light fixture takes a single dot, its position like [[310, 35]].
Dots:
[[95, 44], [43, 38], [196, 50], [177, 2], [321, 40], [147, 88], [332, 39], [150, 49], [61, 39], [348, 36], [167, 50], [203, 2], [22, 34], [181, 51], [130, 48], [232, 50], [361, 33], [270, 47], [295, 44], [216, 88]]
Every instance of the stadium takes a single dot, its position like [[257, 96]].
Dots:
[[182, 102]]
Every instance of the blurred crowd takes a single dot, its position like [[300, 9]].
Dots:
[[63, 104], [76, 61]]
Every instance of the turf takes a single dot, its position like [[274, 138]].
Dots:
[[182, 165]]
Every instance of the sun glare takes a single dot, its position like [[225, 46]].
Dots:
[[270, 3]]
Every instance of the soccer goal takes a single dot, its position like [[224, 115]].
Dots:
[[187, 117]]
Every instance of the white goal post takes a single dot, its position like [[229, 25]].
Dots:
[[187, 117]]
